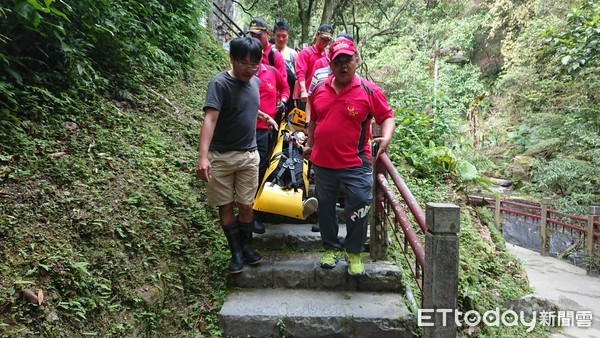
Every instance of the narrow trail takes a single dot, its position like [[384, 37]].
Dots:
[[565, 285]]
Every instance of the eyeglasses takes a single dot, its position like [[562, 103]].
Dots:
[[248, 65]]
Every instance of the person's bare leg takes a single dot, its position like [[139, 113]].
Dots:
[[246, 213], [226, 214]]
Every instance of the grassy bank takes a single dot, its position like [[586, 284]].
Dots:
[[101, 213]]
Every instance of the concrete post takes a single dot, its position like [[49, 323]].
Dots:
[[544, 249], [440, 275], [592, 248], [378, 243], [497, 206]]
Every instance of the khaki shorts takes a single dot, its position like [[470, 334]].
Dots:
[[234, 177]]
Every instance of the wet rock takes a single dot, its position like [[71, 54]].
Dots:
[[529, 304], [521, 167]]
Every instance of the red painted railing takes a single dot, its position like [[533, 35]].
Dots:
[[564, 220], [395, 215]]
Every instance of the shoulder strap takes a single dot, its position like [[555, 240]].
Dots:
[[366, 88], [288, 163], [272, 57]]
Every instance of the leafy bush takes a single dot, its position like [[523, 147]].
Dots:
[[98, 208], [556, 114], [573, 183], [578, 45], [91, 46]]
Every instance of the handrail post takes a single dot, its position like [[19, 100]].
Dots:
[[544, 249], [440, 275], [378, 243], [591, 244], [497, 206]]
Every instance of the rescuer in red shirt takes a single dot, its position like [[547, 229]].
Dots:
[[342, 108]]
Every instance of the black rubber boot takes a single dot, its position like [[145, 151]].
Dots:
[[257, 226], [250, 256], [234, 239], [315, 227]]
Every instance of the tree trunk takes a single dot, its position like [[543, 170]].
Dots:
[[304, 12], [218, 23], [329, 7], [280, 10], [432, 3]]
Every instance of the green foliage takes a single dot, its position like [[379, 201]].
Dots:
[[98, 206], [89, 46], [572, 183], [430, 136], [556, 114], [98, 201], [488, 274], [116, 232], [578, 45], [425, 144]]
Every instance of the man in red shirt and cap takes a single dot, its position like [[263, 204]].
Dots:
[[342, 108], [258, 29], [307, 58]]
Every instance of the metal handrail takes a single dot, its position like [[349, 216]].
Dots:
[[402, 218], [408, 197], [393, 215]]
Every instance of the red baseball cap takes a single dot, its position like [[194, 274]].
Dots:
[[341, 46]]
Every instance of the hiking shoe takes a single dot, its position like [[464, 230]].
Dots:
[[329, 259], [355, 264], [309, 206]]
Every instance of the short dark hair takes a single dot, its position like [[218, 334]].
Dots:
[[239, 48], [280, 26], [345, 36]]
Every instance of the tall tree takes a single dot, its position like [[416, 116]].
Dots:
[[305, 9], [329, 7], [432, 3]]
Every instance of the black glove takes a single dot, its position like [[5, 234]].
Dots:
[[281, 106]]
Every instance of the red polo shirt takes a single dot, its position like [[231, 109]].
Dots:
[[273, 88], [305, 63], [320, 63], [278, 61], [343, 122]]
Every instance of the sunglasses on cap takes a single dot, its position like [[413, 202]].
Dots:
[[326, 36]]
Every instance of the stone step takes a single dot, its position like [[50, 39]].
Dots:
[[302, 271], [290, 236], [293, 236], [314, 313]]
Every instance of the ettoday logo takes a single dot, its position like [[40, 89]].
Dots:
[[474, 318], [562, 318]]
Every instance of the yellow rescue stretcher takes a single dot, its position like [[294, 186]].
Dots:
[[273, 197]]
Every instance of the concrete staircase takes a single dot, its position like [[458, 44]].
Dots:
[[289, 295]]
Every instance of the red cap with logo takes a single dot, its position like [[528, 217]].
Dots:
[[341, 46]]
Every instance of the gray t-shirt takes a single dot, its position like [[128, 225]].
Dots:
[[237, 103]]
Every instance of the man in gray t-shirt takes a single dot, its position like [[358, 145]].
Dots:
[[227, 155]]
